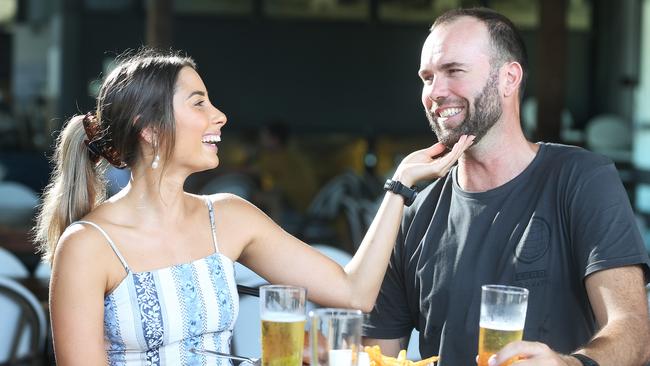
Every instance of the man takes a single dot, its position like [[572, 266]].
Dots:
[[552, 218]]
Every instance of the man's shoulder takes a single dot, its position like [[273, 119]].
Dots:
[[573, 159]]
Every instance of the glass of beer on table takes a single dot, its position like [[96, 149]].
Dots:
[[503, 315], [282, 311], [335, 337]]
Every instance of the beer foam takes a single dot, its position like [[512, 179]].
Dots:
[[496, 325], [272, 316]]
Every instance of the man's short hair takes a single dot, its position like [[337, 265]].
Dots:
[[504, 36]]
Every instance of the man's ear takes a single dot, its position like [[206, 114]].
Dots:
[[513, 73]]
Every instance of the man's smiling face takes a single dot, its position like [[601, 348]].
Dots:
[[460, 90]]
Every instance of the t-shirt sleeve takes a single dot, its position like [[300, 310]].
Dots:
[[390, 318], [603, 227]]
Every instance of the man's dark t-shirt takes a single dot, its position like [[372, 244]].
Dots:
[[564, 217]]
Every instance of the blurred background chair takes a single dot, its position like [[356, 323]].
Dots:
[[17, 204], [349, 195], [116, 179], [11, 266], [610, 135], [568, 132], [22, 324], [239, 184], [42, 271]]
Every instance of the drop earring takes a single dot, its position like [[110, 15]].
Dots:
[[155, 162], [156, 159]]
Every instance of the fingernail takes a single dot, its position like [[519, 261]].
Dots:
[[492, 361]]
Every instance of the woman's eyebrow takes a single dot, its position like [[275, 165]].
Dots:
[[196, 92]]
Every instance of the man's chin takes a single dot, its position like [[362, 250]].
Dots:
[[449, 139]]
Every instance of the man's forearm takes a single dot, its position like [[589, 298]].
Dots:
[[623, 342]]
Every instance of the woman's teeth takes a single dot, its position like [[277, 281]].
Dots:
[[211, 139]]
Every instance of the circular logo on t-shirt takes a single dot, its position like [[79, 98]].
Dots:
[[534, 242]]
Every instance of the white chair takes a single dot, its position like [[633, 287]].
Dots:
[[11, 266], [17, 204], [22, 323], [610, 135], [43, 271]]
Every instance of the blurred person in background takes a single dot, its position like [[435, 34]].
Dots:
[[551, 218], [143, 277], [288, 183]]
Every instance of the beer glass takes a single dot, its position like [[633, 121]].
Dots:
[[335, 336], [503, 314], [282, 310]]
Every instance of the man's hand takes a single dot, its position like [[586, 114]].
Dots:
[[531, 354]]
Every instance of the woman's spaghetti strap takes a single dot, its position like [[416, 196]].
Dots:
[[108, 238]]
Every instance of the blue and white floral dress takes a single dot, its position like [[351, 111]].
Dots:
[[156, 317]]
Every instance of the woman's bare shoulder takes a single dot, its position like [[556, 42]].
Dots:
[[83, 249], [231, 201]]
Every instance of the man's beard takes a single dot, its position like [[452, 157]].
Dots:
[[485, 113]]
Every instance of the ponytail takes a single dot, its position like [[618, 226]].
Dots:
[[76, 187]]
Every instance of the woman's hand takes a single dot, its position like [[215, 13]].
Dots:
[[430, 163]]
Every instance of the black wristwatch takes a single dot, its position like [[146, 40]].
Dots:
[[586, 361], [404, 191]]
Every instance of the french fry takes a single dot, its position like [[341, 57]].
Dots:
[[427, 361], [402, 355], [377, 359], [374, 353], [390, 361]]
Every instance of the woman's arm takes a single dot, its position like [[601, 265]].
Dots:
[[77, 289], [283, 259]]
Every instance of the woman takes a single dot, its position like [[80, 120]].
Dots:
[[148, 274]]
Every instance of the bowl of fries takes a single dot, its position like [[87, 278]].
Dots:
[[377, 359]]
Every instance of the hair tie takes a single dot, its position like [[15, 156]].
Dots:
[[97, 145]]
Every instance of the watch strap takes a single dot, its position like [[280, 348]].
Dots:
[[586, 361], [397, 187]]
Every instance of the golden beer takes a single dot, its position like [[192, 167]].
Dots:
[[491, 339], [282, 339]]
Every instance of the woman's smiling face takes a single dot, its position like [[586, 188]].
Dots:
[[198, 124]]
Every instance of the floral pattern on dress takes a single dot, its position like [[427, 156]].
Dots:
[[224, 296], [191, 303], [150, 314], [113, 339]]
